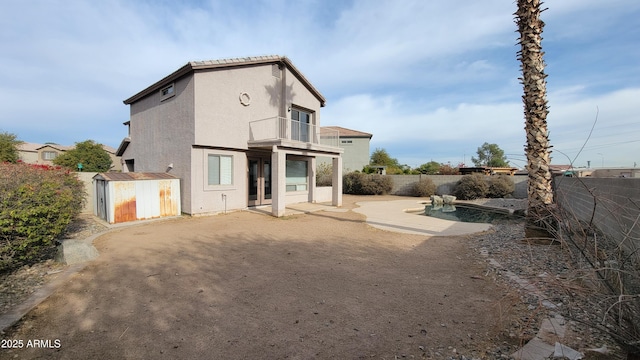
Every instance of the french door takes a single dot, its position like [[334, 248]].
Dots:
[[259, 179]]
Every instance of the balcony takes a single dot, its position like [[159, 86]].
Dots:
[[291, 133]]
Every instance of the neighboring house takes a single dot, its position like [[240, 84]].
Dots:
[[356, 148], [237, 132], [616, 172], [32, 153]]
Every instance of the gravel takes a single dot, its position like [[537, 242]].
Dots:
[[503, 249], [559, 289], [17, 286]]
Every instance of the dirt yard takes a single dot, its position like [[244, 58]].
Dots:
[[250, 286]]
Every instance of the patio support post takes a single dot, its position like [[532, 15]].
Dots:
[[279, 166], [336, 181], [312, 179]]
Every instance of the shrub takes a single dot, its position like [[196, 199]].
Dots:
[[471, 187], [324, 174], [37, 203], [500, 186], [423, 188], [366, 184]]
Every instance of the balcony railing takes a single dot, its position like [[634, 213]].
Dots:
[[280, 128]]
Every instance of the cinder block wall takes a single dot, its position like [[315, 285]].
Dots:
[[87, 179], [445, 184], [613, 202]]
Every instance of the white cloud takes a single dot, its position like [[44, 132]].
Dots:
[[425, 77]]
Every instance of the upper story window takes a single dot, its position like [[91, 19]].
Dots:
[[167, 92], [300, 125], [49, 155]]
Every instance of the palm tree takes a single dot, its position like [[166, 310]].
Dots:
[[540, 221]]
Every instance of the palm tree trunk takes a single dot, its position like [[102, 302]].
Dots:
[[540, 220]]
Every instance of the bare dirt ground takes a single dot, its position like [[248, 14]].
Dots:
[[250, 286]]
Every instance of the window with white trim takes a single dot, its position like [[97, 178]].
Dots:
[[297, 175], [219, 169], [49, 155]]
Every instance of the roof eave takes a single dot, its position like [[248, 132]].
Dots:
[[192, 66], [184, 70]]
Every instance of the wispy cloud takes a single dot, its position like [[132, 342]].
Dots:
[[431, 80]]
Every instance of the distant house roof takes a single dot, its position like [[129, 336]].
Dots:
[[31, 147], [57, 147], [194, 66], [130, 176], [344, 132], [34, 147], [560, 168]]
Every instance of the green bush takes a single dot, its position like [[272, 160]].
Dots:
[[366, 184], [324, 174], [423, 188], [500, 186], [37, 203], [471, 187]]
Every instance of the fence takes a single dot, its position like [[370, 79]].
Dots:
[[445, 184], [611, 204]]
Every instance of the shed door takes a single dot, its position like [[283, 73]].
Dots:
[[101, 200]]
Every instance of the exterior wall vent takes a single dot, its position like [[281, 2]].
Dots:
[[275, 70]]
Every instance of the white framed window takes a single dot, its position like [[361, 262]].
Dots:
[[219, 169], [297, 175], [167, 92], [300, 125], [49, 155]]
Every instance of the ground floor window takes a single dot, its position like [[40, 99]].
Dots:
[[297, 179], [49, 155], [220, 169]]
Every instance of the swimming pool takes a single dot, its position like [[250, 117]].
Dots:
[[470, 213]]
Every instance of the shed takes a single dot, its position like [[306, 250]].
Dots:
[[122, 197]]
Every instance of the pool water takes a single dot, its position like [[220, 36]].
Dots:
[[466, 213]]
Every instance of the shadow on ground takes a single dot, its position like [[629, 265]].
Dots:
[[245, 285]]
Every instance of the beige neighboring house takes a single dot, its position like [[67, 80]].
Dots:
[[238, 133], [32, 153], [356, 148]]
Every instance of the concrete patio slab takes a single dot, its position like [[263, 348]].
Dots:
[[395, 216]]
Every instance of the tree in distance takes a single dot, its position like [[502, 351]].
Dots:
[[490, 155], [91, 155]]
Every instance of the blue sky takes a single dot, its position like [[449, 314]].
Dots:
[[431, 80]]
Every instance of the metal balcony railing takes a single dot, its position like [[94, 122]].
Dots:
[[280, 128]]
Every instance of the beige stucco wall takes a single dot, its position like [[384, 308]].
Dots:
[[355, 155], [29, 157], [205, 116], [208, 199], [222, 121], [162, 133]]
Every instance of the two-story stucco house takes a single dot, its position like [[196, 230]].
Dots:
[[355, 145], [237, 132]]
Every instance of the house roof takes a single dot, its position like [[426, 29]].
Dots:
[[56, 146], [34, 147], [130, 176], [344, 132], [194, 66]]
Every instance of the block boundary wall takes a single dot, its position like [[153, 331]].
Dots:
[[614, 204], [445, 184]]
